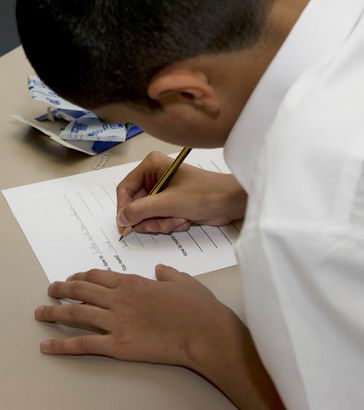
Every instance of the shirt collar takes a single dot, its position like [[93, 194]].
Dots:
[[322, 27]]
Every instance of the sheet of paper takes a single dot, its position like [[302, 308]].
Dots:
[[53, 129], [70, 224]]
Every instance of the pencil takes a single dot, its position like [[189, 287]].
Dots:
[[163, 182]]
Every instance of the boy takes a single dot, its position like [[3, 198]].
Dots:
[[280, 84]]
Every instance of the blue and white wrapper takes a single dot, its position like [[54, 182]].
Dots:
[[90, 128], [85, 131]]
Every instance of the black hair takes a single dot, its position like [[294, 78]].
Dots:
[[96, 52]]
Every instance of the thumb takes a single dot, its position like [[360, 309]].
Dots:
[[168, 274]]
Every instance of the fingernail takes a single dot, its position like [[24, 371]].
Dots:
[[50, 287], [152, 227], [45, 346], [39, 311], [179, 221], [121, 219]]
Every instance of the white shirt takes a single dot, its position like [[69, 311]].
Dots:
[[298, 150]]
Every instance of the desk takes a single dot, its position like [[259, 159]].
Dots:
[[29, 379]]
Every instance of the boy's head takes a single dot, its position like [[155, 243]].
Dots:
[[129, 60]]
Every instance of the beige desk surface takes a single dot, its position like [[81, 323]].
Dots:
[[30, 380]]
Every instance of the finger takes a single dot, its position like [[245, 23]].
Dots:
[[125, 197], [98, 277], [131, 185], [75, 313], [184, 227], [144, 176], [90, 344], [79, 290], [162, 205], [168, 274], [168, 225], [164, 225], [140, 194]]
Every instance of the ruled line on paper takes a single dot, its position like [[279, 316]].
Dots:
[[84, 203], [204, 231], [194, 240], [214, 164], [96, 199], [225, 235], [108, 195]]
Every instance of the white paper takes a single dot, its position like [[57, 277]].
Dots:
[[52, 130], [70, 224]]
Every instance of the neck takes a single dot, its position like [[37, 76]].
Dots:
[[248, 66], [282, 17]]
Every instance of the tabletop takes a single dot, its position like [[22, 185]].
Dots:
[[31, 380]]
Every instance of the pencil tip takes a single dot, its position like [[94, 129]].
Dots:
[[121, 238]]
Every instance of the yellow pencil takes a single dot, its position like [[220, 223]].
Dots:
[[163, 182]]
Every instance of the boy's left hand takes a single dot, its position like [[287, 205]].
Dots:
[[173, 320], [163, 321]]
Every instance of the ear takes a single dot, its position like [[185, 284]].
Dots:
[[193, 86]]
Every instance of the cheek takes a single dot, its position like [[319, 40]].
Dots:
[[186, 134], [182, 136], [190, 137], [169, 132]]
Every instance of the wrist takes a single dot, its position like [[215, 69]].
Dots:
[[217, 344], [234, 200], [226, 356]]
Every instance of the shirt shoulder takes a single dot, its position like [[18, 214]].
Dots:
[[311, 167]]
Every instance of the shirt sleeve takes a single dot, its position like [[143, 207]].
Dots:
[[304, 304]]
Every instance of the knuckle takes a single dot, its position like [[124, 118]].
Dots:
[[129, 211], [117, 343], [75, 312], [76, 289], [156, 157], [119, 187], [118, 299], [92, 274], [58, 346], [134, 280], [153, 156], [82, 345], [166, 225], [166, 229], [53, 288], [140, 228], [147, 227], [185, 227], [133, 212], [121, 192]]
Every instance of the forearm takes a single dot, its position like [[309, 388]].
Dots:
[[230, 361]]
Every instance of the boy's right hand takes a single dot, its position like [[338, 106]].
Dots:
[[193, 196]]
